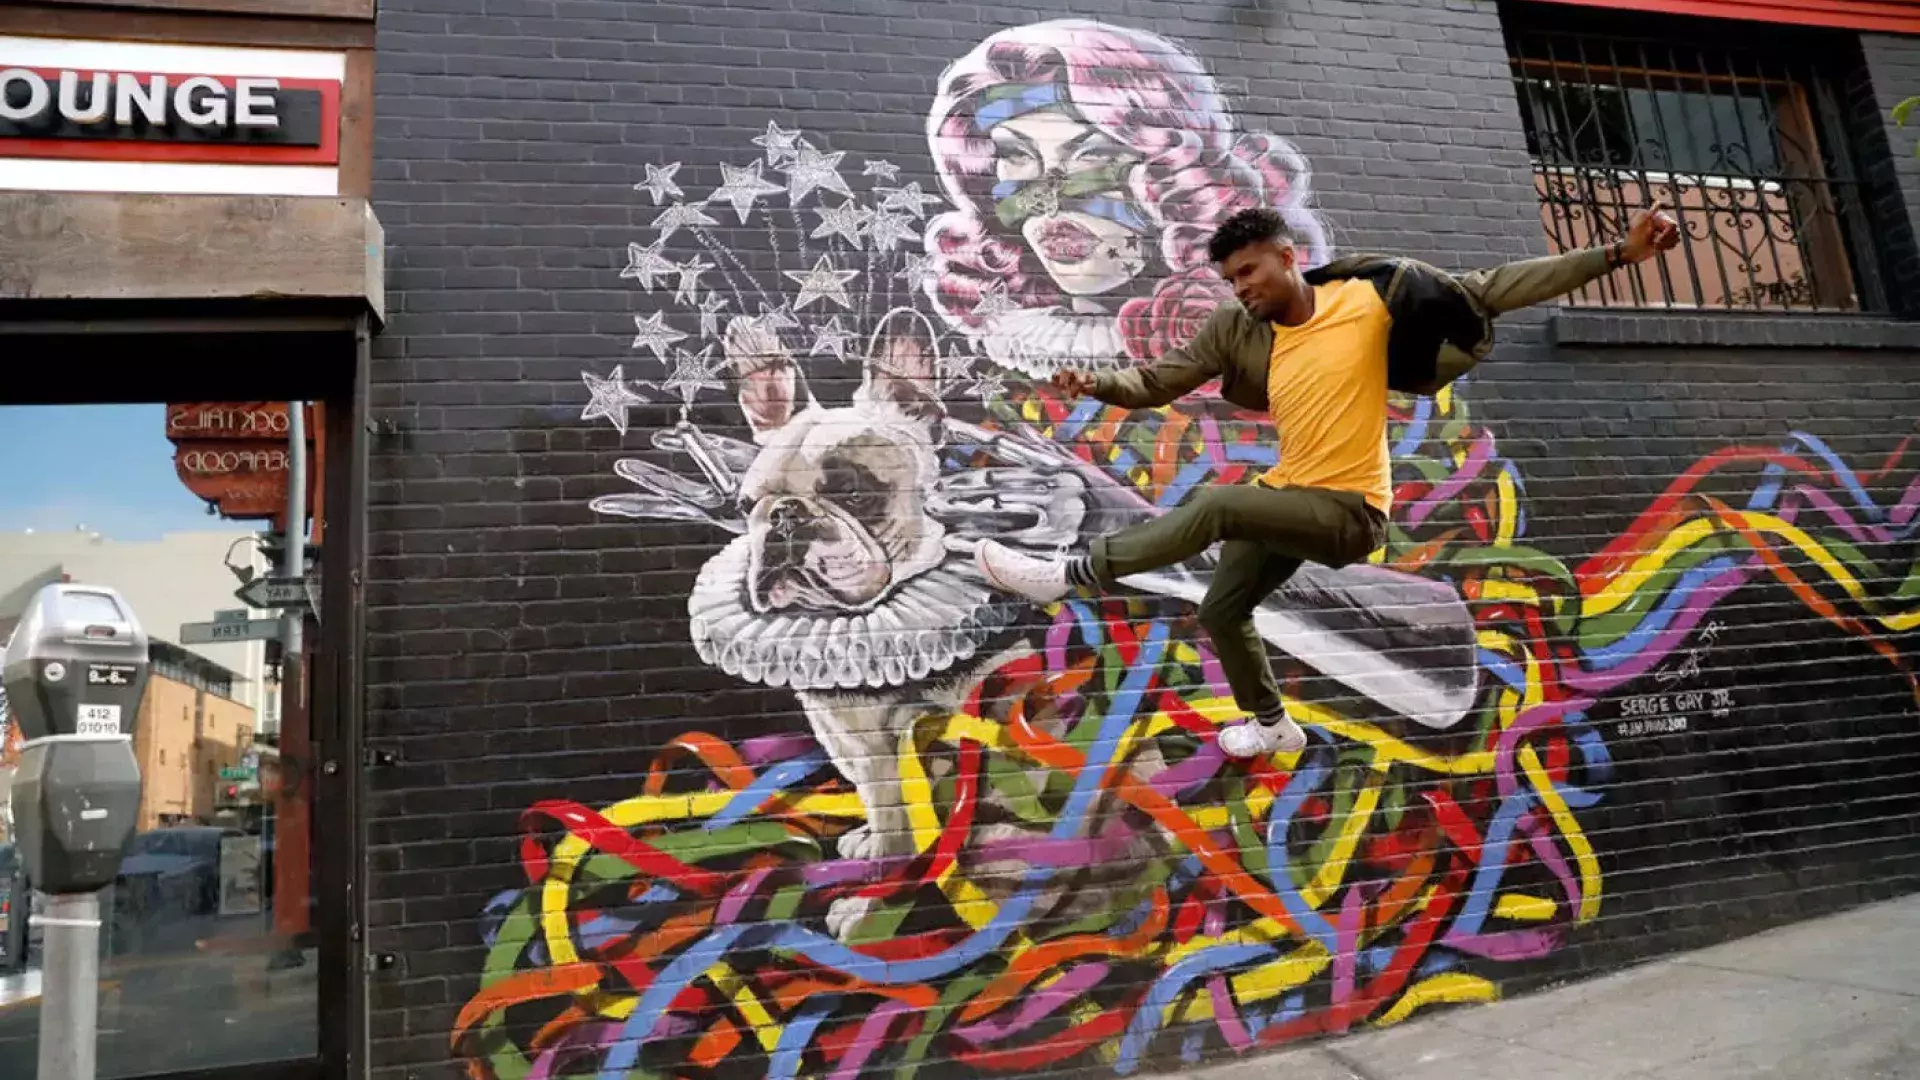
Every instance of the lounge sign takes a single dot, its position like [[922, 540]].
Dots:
[[138, 115]]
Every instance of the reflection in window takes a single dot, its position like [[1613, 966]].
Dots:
[[203, 963]]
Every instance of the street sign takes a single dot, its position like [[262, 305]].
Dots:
[[274, 592], [233, 615], [214, 633], [235, 772]]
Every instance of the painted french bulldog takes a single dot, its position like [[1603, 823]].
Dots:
[[837, 497], [843, 586]]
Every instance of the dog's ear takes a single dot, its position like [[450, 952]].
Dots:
[[903, 366], [769, 383]]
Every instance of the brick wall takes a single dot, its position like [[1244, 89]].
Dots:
[[1682, 725], [1892, 71]]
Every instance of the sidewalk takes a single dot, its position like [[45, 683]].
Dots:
[[20, 988], [1833, 999]]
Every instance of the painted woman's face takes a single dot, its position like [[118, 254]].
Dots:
[[1065, 185]]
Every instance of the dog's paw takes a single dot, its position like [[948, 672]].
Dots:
[[847, 913], [862, 842]]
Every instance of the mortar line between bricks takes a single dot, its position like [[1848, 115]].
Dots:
[[1843, 983]]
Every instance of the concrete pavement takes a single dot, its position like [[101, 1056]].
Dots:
[[1835, 999]]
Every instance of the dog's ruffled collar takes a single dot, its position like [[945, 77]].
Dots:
[[1037, 342], [926, 626]]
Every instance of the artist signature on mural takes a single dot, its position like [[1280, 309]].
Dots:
[[1666, 714], [1689, 666]]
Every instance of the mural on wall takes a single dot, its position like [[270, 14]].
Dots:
[[1086, 165], [1006, 836]]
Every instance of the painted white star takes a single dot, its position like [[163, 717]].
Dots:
[[690, 272], [652, 333], [692, 373], [646, 263], [740, 187], [887, 231], [612, 397], [955, 366], [779, 318], [822, 282], [846, 220], [659, 183], [994, 302], [831, 338], [679, 216], [778, 142], [710, 314], [885, 170], [811, 170], [919, 268], [908, 199], [988, 385]]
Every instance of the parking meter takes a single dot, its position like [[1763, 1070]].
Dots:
[[74, 673]]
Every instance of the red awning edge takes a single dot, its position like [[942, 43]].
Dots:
[[1875, 16]]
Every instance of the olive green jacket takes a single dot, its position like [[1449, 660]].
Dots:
[[1442, 327]]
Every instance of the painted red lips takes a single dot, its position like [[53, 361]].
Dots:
[[1067, 242]]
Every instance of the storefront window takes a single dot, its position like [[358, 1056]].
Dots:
[[208, 955]]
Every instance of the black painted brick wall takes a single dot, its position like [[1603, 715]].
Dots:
[[524, 648], [1893, 71]]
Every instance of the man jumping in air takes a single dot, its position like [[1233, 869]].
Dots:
[[1318, 350]]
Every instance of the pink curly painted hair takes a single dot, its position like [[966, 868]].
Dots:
[[1145, 92]]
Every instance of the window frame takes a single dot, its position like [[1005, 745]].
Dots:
[[1817, 184]]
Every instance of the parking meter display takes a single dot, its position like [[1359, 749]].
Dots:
[[98, 720]]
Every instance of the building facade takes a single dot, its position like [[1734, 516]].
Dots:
[[185, 221], [721, 333], [654, 719], [191, 731]]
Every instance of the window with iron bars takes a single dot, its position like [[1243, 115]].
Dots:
[[1741, 139]]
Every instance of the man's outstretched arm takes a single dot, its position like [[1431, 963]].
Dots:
[[1534, 281], [1171, 377]]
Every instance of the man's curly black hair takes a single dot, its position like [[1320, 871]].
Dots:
[[1244, 228]]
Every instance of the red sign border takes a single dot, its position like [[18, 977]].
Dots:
[[1876, 16], [327, 153]]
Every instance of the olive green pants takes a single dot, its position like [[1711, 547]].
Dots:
[[1267, 534]]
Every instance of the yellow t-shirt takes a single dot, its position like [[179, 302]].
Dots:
[[1327, 390]]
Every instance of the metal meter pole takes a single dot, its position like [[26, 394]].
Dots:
[[70, 989]]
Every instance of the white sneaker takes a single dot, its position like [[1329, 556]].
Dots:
[[1040, 580], [1251, 738]]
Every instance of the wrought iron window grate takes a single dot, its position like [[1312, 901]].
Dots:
[[1745, 146]]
